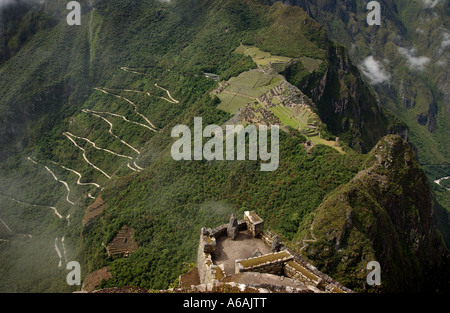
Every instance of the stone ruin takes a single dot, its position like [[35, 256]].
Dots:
[[254, 223], [123, 243], [280, 270], [209, 242]]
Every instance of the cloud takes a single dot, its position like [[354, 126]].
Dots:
[[5, 2], [446, 41], [415, 63], [430, 3], [374, 71]]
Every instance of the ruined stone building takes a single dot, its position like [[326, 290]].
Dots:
[[242, 255]]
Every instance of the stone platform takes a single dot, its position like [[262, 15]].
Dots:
[[228, 250]]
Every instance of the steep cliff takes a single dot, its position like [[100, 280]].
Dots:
[[344, 102]]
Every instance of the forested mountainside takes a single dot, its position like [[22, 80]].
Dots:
[[380, 212], [86, 117]]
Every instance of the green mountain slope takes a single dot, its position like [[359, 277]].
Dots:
[[380, 215]]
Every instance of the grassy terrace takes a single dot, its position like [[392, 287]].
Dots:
[[300, 121], [264, 259], [253, 83], [320, 141], [245, 88], [219, 274], [231, 103], [260, 57], [311, 64], [288, 118]]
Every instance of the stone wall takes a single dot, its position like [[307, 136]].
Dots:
[[326, 282], [204, 262], [207, 271], [266, 237], [222, 229], [294, 270], [272, 263], [232, 287], [254, 223]]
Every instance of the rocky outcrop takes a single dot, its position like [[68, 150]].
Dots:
[[232, 229], [276, 244], [428, 119], [94, 279]]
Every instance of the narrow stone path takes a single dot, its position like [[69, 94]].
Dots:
[[130, 102], [64, 249], [305, 244], [127, 69], [84, 156], [58, 252], [7, 227], [79, 176], [137, 166], [111, 132], [58, 180], [438, 181], [172, 100], [98, 148], [131, 168], [121, 116], [35, 205]]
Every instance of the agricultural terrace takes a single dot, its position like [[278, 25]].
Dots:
[[265, 90]]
